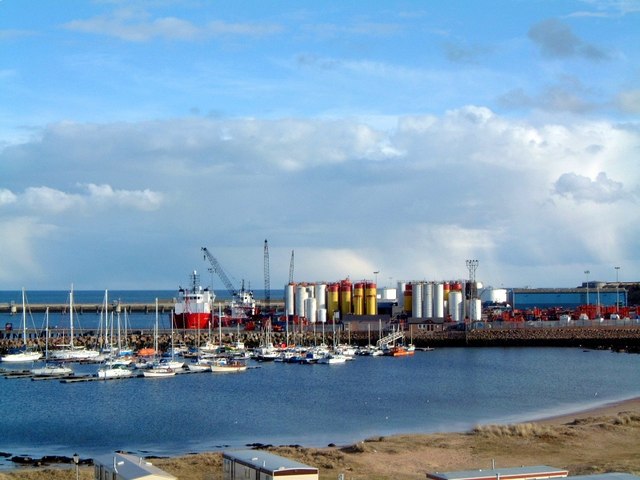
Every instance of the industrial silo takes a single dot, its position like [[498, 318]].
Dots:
[[333, 299], [438, 300], [427, 300], [358, 298], [301, 296], [289, 299], [370, 299], [345, 297], [408, 298], [416, 300], [310, 309], [455, 305], [476, 310], [321, 295]]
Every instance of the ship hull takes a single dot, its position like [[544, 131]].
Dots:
[[191, 321]]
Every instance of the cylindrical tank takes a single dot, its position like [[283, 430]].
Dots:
[[446, 288], [322, 315], [416, 300], [408, 298], [345, 297], [310, 309], [438, 300], [321, 295], [455, 305], [475, 310], [358, 298], [289, 299], [493, 295], [333, 299], [301, 296], [455, 286], [370, 299], [427, 300]]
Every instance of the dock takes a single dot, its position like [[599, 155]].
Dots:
[[165, 305]]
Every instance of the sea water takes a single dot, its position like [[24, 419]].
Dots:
[[445, 390]]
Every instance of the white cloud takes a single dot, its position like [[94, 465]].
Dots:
[[7, 197], [581, 188]]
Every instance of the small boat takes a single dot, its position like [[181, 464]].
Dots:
[[24, 353], [399, 351], [200, 365], [52, 370], [332, 359], [71, 352], [224, 365], [114, 370], [158, 371]]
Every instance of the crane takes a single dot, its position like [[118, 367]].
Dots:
[[267, 280], [291, 268], [217, 268]]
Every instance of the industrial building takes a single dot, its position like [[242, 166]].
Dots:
[[122, 466]]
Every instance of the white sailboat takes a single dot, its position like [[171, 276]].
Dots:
[[24, 353], [157, 370], [71, 352], [49, 369]]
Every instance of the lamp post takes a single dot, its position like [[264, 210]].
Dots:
[[617, 286], [586, 272], [76, 461], [376, 274]]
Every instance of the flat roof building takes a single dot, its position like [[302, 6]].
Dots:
[[261, 465]]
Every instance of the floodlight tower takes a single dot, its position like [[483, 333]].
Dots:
[[472, 266]]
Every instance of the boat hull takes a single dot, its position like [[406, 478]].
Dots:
[[192, 321]]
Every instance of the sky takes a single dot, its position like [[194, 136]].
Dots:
[[397, 137]]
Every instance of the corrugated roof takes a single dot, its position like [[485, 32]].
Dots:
[[133, 467], [267, 461]]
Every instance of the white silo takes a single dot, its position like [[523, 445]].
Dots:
[[289, 299], [301, 296], [493, 295], [455, 305], [322, 315], [427, 300], [310, 309], [476, 310], [321, 295], [438, 300], [416, 300]]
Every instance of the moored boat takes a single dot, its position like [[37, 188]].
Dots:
[[225, 365], [25, 353]]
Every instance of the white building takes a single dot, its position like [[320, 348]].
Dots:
[[122, 466]]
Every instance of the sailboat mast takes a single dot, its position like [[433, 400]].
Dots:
[[24, 319], [71, 317]]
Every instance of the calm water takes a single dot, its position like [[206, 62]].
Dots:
[[311, 405]]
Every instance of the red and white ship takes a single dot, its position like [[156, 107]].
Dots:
[[193, 307]]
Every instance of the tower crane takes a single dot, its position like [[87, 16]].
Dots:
[[267, 280]]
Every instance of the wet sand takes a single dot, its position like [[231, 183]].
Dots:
[[603, 439]]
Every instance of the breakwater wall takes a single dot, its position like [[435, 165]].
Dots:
[[613, 338]]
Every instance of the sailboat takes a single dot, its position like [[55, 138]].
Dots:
[[157, 370], [73, 352], [49, 369], [112, 367], [24, 353]]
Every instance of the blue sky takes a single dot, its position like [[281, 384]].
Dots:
[[398, 137]]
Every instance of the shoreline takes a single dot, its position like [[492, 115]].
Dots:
[[611, 409]]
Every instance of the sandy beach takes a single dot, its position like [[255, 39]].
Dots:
[[603, 439]]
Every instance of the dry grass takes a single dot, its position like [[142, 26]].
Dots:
[[582, 444]]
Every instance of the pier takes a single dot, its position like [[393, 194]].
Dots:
[[164, 305]]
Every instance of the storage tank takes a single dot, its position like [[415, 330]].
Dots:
[[333, 299], [408, 298], [427, 300], [446, 288], [289, 299], [310, 309], [388, 293], [322, 315], [455, 305], [358, 298], [438, 300], [345, 297], [370, 299], [416, 300], [321, 295], [493, 295], [475, 313], [301, 296]]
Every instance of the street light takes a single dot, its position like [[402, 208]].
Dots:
[[376, 274], [586, 272], [76, 461]]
